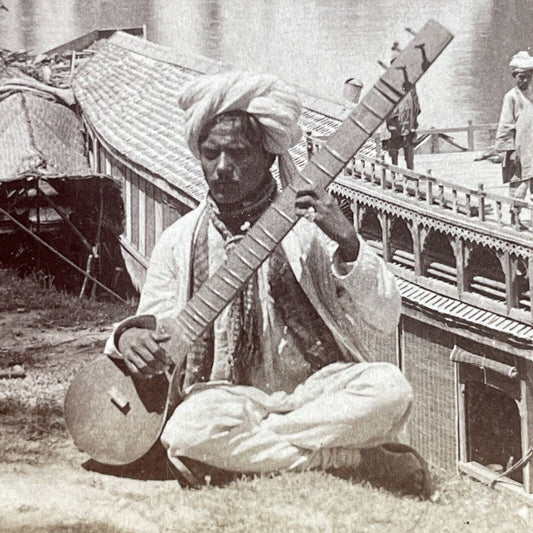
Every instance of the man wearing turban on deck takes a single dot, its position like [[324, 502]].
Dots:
[[507, 139], [280, 382]]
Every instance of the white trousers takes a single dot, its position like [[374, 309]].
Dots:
[[340, 409]]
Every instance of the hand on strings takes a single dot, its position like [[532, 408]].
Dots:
[[141, 351], [317, 205]]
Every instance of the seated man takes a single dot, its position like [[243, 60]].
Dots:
[[280, 382]]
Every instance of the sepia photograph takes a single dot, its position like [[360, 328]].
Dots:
[[266, 266]]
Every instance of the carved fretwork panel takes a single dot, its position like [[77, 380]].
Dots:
[[385, 221], [509, 267], [462, 250], [485, 275], [401, 243], [523, 284], [492, 270], [371, 230], [346, 207], [438, 258]]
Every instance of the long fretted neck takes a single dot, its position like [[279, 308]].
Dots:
[[248, 255]]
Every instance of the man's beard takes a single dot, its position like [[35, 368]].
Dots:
[[239, 216]]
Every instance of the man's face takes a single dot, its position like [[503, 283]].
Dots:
[[234, 163], [522, 79]]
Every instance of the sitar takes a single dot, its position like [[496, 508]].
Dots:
[[117, 417]]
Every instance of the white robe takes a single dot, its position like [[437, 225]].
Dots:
[[280, 423]]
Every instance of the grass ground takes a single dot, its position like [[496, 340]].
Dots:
[[44, 486]]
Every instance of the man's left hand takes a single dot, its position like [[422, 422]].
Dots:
[[318, 205]]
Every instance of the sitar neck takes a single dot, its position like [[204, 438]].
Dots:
[[257, 245]]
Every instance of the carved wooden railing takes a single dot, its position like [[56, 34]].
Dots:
[[471, 138], [491, 208], [426, 189], [471, 219]]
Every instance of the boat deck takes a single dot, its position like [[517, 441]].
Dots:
[[460, 169]]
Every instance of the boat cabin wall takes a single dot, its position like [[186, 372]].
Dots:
[[149, 209]]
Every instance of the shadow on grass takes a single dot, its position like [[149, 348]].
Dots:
[[155, 466]]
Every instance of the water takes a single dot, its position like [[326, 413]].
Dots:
[[316, 44]]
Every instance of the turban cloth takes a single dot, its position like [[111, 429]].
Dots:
[[273, 104], [521, 61]]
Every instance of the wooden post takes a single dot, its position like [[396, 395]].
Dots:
[[417, 251], [72, 65], [481, 196], [385, 236], [526, 426], [429, 193], [454, 200], [499, 212], [355, 210], [442, 201], [509, 269], [530, 276], [95, 155], [383, 172], [470, 134], [460, 263], [460, 387], [468, 204]]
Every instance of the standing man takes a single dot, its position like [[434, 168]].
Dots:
[[514, 101], [276, 385], [401, 126]]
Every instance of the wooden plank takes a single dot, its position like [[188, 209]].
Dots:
[[484, 475], [159, 213], [526, 429], [170, 212], [84, 41], [460, 410], [150, 219], [127, 202], [142, 215], [134, 208], [460, 168]]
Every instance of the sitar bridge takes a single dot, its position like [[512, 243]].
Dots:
[[119, 399]]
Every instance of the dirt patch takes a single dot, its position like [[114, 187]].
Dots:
[[46, 485]]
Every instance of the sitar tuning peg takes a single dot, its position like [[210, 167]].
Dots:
[[409, 30], [406, 83], [382, 65]]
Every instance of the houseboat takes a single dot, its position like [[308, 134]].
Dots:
[[465, 271]]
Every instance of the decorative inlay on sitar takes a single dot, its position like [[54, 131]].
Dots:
[[117, 418]]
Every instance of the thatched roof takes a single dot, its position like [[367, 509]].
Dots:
[[39, 136], [128, 93]]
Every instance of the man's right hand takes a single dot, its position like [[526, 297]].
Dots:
[[141, 351], [493, 156]]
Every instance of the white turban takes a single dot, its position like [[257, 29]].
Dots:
[[275, 106], [521, 61]]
